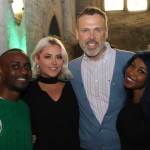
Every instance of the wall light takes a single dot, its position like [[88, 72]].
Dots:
[[18, 9]]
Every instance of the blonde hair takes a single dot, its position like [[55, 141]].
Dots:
[[65, 73]]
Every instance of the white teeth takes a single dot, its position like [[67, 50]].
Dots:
[[53, 68], [130, 79], [91, 44], [21, 79]]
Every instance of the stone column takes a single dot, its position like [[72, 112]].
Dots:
[[3, 27], [69, 20]]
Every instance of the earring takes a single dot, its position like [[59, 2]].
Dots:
[[38, 69]]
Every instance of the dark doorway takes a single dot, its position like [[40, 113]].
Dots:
[[54, 29]]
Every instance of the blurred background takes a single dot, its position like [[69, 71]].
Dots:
[[24, 22]]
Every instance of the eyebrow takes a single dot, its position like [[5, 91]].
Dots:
[[18, 62], [143, 68], [139, 67]]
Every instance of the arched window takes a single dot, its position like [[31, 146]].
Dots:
[[54, 29]]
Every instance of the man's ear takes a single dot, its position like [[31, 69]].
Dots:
[[106, 33], [0, 69], [76, 34], [1, 72]]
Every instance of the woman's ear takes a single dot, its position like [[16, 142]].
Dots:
[[36, 60]]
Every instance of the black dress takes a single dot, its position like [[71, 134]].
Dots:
[[133, 129], [54, 123]]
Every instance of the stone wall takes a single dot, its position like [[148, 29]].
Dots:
[[39, 15], [3, 29], [130, 31]]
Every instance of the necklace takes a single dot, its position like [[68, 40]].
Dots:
[[52, 80]]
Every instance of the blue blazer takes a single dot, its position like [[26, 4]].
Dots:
[[93, 135]]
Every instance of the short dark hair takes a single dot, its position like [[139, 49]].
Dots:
[[10, 50], [92, 11]]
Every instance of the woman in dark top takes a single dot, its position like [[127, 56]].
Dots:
[[51, 99], [133, 123]]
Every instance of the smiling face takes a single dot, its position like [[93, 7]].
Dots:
[[15, 71], [135, 75], [92, 33], [50, 61]]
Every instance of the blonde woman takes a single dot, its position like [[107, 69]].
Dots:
[[51, 99]]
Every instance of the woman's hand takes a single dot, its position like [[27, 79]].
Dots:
[[33, 139]]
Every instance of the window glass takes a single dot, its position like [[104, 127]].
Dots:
[[135, 5], [113, 4]]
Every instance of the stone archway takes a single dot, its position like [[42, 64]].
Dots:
[[54, 28]]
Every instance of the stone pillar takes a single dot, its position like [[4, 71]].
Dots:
[[69, 21], [3, 27]]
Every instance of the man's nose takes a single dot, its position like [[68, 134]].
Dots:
[[92, 34], [23, 70], [134, 71]]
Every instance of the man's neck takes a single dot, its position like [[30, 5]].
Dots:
[[11, 96]]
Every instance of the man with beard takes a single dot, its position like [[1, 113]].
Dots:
[[15, 74], [98, 82]]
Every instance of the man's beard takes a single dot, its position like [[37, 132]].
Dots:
[[16, 88], [92, 53]]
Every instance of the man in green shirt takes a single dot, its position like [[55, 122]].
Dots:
[[15, 74]]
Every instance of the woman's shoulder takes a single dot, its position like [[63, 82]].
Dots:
[[68, 84], [68, 88], [33, 82], [31, 86]]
